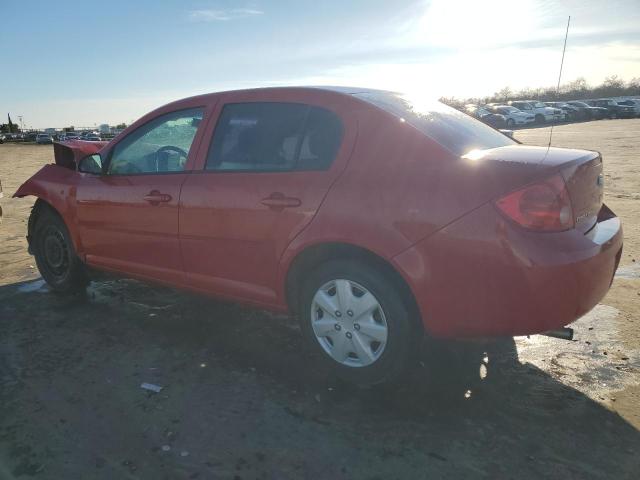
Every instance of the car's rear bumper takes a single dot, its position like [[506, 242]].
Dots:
[[483, 276]]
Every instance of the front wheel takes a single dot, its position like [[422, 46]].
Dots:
[[355, 318], [55, 256], [511, 123]]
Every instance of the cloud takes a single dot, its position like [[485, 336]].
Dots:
[[223, 15]]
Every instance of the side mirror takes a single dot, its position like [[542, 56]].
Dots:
[[91, 164]]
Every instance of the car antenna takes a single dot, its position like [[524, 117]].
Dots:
[[559, 77]]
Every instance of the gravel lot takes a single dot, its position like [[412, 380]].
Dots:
[[243, 400]]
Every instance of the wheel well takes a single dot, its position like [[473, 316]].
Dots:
[[38, 208], [314, 256]]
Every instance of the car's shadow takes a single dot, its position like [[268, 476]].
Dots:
[[467, 407]]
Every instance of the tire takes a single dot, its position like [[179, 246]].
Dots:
[[511, 123], [55, 256], [539, 119], [388, 343]]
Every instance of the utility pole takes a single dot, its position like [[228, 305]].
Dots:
[[21, 124]]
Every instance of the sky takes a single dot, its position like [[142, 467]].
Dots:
[[89, 62]]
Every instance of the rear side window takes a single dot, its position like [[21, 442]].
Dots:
[[454, 130], [266, 136]]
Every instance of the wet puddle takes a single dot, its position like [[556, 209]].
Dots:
[[34, 286], [595, 362], [629, 271]]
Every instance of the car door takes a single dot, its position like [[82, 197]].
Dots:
[[264, 175], [128, 216]]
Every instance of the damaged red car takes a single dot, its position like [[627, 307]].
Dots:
[[373, 217]]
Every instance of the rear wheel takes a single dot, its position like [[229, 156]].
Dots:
[[358, 323], [55, 256]]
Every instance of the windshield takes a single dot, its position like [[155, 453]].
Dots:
[[454, 130]]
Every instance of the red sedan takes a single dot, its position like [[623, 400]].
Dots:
[[374, 218]]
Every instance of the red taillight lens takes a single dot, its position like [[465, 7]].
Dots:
[[543, 206]]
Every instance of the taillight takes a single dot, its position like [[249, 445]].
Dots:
[[543, 206]]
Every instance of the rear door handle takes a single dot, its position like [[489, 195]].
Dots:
[[278, 200], [154, 197]]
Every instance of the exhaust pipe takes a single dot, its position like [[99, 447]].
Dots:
[[565, 333]]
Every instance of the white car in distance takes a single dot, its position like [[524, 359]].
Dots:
[[513, 115], [541, 112]]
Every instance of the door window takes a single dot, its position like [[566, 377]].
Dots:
[[266, 136], [160, 146]]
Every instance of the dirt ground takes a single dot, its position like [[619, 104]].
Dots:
[[242, 399]]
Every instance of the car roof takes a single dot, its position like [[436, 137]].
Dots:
[[341, 90]]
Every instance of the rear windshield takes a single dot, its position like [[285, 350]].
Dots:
[[454, 130]]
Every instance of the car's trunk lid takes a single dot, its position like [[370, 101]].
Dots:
[[512, 167], [585, 182]]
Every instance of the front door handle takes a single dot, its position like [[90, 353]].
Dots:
[[278, 201], [154, 197]]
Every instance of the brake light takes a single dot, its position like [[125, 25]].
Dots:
[[543, 206]]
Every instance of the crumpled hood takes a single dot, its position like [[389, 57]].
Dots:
[[68, 154]]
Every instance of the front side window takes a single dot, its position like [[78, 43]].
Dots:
[[160, 146], [270, 136]]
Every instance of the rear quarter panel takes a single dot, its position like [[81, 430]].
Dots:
[[400, 186]]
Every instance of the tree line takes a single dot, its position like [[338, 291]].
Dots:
[[579, 89]]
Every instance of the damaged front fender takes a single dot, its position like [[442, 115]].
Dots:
[[56, 186]]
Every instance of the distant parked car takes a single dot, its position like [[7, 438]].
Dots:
[[71, 136], [589, 112], [85, 134], [614, 110], [632, 103], [496, 120], [513, 115], [541, 112], [571, 113], [92, 138], [43, 138]]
